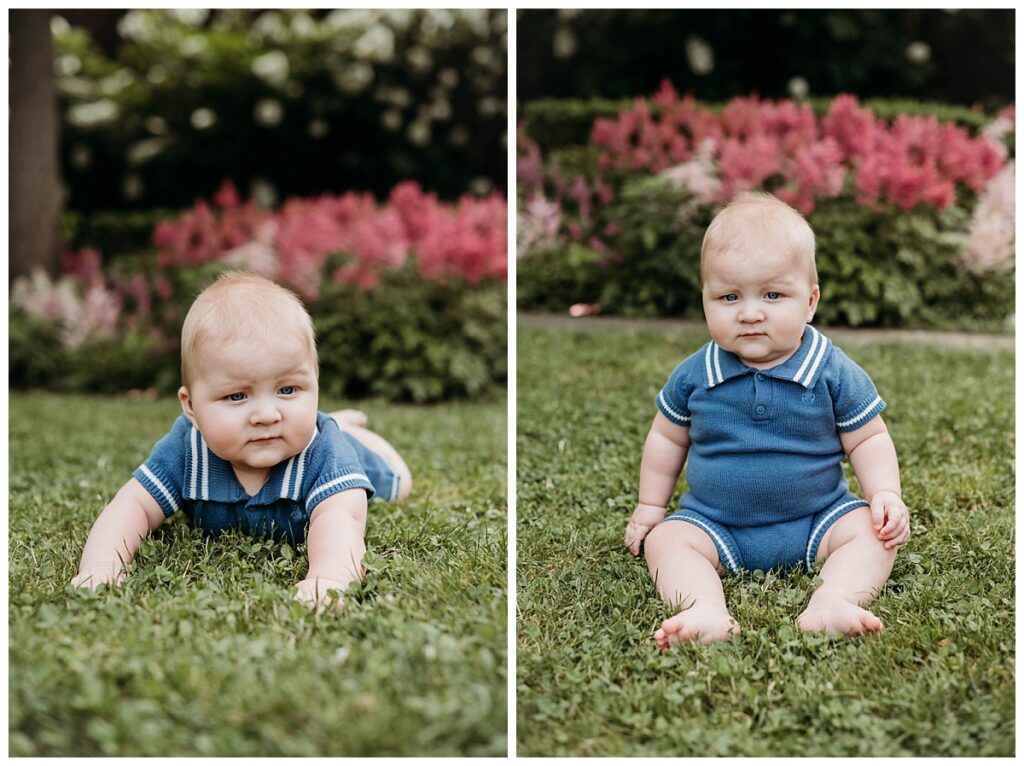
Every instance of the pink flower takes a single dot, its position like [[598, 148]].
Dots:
[[991, 236], [852, 128], [537, 225], [226, 197], [85, 265]]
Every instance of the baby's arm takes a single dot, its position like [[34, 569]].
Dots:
[[873, 457], [116, 535], [335, 546], [664, 455]]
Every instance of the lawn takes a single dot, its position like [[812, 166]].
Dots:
[[939, 680], [202, 651]]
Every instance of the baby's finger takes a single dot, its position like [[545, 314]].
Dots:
[[894, 527], [892, 523], [877, 513], [633, 544], [900, 537]]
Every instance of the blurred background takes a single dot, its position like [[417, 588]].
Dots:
[[357, 156], [891, 130], [955, 56]]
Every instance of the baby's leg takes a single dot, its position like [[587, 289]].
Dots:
[[350, 417], [684, 566], [377, 443], [857, 564]]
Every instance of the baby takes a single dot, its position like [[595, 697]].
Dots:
[[251, 451], [765, 413]]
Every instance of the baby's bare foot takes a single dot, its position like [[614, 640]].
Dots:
[[829, 612], [704, 624], [351, 417]]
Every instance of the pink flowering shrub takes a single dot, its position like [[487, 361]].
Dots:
[[430, 273], [784, 148], [462, 242], [914, 215]]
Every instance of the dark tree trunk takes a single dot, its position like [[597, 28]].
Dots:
[[34, 189]]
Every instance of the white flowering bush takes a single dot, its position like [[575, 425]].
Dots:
[[282, 102]]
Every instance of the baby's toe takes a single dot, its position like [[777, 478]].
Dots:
[[869, 623]]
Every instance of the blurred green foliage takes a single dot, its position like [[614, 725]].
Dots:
[[876, 266], [408, 339], [283, 103]]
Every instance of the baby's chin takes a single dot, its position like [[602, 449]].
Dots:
[[268, 455], [763, 359]]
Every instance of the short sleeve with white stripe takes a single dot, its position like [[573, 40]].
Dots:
[[333, 467], [163, 473], [674, 396], [855, 400]]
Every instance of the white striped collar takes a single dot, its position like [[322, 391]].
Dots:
[[209, 477], [804, 367]]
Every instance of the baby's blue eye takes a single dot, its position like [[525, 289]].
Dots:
[[236, 397], [773, 296], [730, 298], [286, 390]]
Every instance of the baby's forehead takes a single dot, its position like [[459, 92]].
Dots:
[[758, 263]]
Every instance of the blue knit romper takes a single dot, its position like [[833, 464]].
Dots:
[[182, 474], [764, 467]]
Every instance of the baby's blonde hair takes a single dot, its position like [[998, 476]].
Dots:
[[754, 219], [240, 304]]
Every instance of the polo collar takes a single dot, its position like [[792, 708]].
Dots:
[[209, 477], [804, 367]]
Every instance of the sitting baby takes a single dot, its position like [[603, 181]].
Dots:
[[765, 413]]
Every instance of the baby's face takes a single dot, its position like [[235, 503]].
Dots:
[[254, 404], [756, 304]]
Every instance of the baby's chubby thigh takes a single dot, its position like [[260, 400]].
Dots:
[[671, 537], [855, 526]]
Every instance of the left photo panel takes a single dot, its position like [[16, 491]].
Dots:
[[257, 335]]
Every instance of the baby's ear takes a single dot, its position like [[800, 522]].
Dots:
[[186, 404], [813, 303]]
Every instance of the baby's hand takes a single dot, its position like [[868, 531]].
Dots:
[[890, 518], [644, 519], [95, 575], [319, 593]]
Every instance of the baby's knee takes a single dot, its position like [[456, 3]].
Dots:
[[857, 527], [404, 484], [657, 541], [674, 537]]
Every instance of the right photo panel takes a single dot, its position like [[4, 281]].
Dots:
[[765, 383]]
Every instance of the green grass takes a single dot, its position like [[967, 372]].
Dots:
[[939, 681], [202, 651]]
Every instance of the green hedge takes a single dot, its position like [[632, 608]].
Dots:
[[117, 232], [558, 123], [876, 267], [407, 339]]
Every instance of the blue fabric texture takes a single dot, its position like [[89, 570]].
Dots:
[[764, 444], [182, 474], [772, 545]]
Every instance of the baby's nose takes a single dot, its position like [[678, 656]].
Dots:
[[751, 313], [265, 412]]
